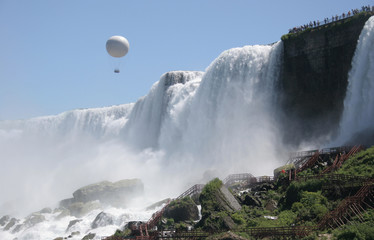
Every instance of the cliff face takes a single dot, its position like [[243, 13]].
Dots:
[[314, 76]]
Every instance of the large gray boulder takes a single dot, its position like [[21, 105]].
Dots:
[[116, 194]]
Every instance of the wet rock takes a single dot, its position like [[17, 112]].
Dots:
[[79, 209], [10, 224], [17, 228], [4, 220], [251, 201], [46, 210], [64, 213], [182, 210], [89, 236], [101, 220], [157, 204], [34, 219], [72, 223], [133, 224], [66, 202], [115, 194]]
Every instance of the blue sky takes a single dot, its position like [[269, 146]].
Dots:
[[53, 57]]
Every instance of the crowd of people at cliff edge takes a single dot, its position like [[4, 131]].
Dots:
[[333, 19]]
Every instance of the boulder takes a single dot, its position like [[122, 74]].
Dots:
[[101, 220], [46, 210], [66, 202], [251, 201], [10, 224], [115, 194], [4, 220], [133, 224], [89, 236], [231, 202], [64, 213], [17, 228], [72, 223], [271, 205], [182, 210], [34, 219], [79, 209]]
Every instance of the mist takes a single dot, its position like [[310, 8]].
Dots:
[[190, 127]]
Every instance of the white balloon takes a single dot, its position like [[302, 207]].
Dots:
[[117, 46]]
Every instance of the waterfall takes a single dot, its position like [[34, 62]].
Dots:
[[201, 124], [228, 125], [356, 124]]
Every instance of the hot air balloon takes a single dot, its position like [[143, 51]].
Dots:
[[117, 46]]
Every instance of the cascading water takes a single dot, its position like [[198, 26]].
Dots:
[[200, 124], [356, 124], [227, 126]]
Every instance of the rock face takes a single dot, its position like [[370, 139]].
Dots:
[[314, 77], [231, 202], [182, 210]]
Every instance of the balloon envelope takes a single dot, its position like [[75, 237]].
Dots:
[[117, 46]]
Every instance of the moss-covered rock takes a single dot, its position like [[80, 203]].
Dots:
[[216, 207], [182, 210], [115, 194]]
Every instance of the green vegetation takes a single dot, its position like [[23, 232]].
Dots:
[[299, 203], [279, 204], [183, 209], [362, 164], [208, 197]]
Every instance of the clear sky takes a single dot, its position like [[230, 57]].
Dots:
[[53, 57]]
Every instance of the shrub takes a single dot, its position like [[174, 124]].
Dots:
[[350, 233], [238, 218], [318, 211], [208, 197], [287, 218]]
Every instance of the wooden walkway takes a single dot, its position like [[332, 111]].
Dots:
[[348, 208]]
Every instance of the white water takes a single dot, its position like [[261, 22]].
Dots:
[[358, 114], [52, 227], [192, 126]]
